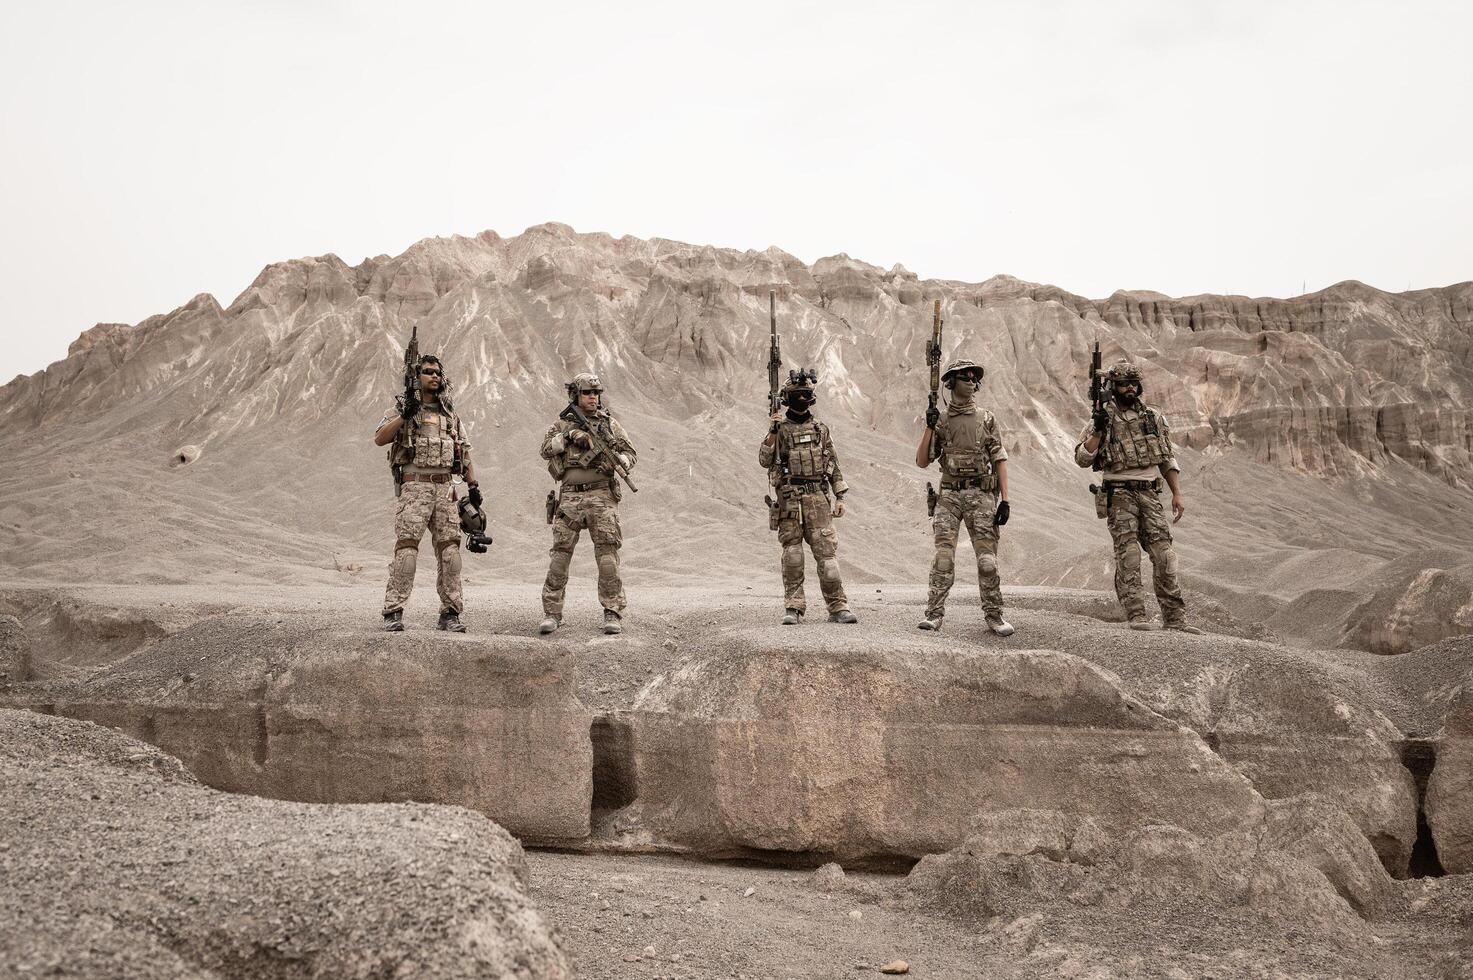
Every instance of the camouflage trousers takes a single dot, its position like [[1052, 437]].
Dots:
[[1137, 520], [976, 509], [425, 506], [597, 511], [808, 517]]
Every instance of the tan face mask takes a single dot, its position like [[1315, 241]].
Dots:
[[962, 392]]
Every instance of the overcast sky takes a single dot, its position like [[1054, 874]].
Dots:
[[155, 150]]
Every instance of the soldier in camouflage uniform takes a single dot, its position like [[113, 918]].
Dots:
[[1133, 446], [798, 453], [974, 492], [588, 497], [428, 450]]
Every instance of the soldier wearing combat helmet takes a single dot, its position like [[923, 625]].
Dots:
[[587, 498], [1130, 443], [428, 451], [974, 492], [799, 455]]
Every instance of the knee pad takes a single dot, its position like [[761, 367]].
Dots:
[[828, 568], [986, 564], [406, 544]]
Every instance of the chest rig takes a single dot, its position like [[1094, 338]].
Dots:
[[965, 458], [802, 451], [1133, 441], [432, 439]]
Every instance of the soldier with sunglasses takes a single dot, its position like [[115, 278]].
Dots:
[[428, 450], [587, 497], [974, 492]]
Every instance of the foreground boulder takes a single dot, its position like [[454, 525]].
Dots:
[[291, 710], [870, 753], [1449, 805], [1305, 865], [116, 862]]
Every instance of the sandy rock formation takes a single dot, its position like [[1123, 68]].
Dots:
[[284, 709], [1449, 803], [1304, 862], [866, 753], [15, 651], [116, 862]]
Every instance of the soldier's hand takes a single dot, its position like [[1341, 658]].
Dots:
[[933, 416], [1003, 512], [838, 507], [580, 438], [475, 495], [411, 405], [1178, 507], [1101, 419]]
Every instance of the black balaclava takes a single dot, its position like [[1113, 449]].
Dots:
[[800, 404]]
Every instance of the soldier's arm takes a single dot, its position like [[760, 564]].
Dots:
[[923, 451], [836, 478], [387, 430], [622, 446], [1085, 449], [767, 451], [998, 455], [554, 442]]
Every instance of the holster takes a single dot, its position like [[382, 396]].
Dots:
[[1102, 501], [931, 498], [398, 472], [772, 512], [551, 505]]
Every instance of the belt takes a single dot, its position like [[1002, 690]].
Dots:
[[427, 477], [1154, 486], [580, 487], [814, 484], [973, 484]]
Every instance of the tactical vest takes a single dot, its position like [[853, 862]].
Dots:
[[432, 439], [1133, 443], [803, 450], [572, 457], [968, 459]]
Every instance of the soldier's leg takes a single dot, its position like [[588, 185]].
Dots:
[[445, 533], [565, 528], [603, 529], [823, 541], [411, 517], [943, 565], [1155, 537], [790, 536], [979, 514], [1124, 522]]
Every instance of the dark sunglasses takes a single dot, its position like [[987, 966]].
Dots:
[[432, 372], [590, 391]]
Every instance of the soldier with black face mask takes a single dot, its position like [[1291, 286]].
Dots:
[[974, 492], [1132, 444], [799, 454]]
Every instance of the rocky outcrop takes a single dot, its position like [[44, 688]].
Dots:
[[1303, 863], [15, 651], [116, 862], [1449, 803], [872, 753], [282, 709]]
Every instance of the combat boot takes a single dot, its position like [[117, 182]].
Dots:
[[450, 622], [792, 617], [611, 622], [999, 625], [932, 623], [1182, 626], [843, 616], [394, 621], [1140, 621], [549, 624]]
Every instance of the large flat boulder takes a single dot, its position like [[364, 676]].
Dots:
[[287, 709], [869, 752], [116, 862]]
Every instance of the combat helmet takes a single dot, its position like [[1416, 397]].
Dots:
[[959, 365], [585, 381], [1125, 371], [802, 380]]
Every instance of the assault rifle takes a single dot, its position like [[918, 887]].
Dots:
[[411, 365], [1096, 392], [933, 358], [774, 357], [602, 437]]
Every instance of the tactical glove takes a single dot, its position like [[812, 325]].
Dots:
[[411, 405], [1002, 514], [474, 496], [1101, 419], [933, 416]]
